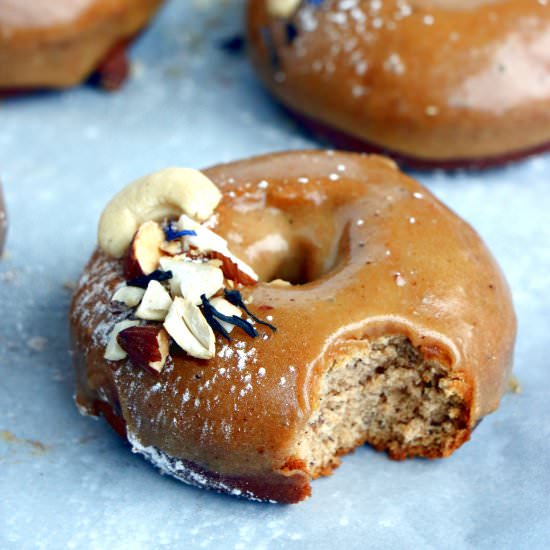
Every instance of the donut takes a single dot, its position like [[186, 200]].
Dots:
[[45, 44], [433, 83], [3, 222], [362, 311]]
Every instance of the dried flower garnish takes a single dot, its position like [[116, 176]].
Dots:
[[233, 44], [234, 297], [223, 306], [213, 316], [157, 275], [269, 43], [291, 32], [173, 234]]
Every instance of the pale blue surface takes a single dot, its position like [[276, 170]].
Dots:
[[62, 157]]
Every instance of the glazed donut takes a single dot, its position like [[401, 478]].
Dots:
[[433, 83], [57, 44], [380, 317]]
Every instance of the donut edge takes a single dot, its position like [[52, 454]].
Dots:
[[289, 486]]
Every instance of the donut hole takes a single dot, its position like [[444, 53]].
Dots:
[[305, 265], [390, 396], [298, 253]]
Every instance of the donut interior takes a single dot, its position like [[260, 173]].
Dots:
[[389, 395]]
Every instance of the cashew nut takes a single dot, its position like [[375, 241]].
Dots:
[[282, 8], [166, 193]]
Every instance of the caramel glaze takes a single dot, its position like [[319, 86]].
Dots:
[[45, 44], [436, 83], [376, 254]]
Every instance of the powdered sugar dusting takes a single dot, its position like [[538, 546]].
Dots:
[[94, 307], [182, 471]]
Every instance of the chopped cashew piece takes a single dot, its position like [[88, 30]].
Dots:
[[155, 303], [279, 283], [192, 279], [282, 8], [227, 308], [206, 240], [163, 194], [187, 326], [113, 352], [129, 295]]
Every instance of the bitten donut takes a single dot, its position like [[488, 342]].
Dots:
[[246, 326], [434, 83], [56, 44]]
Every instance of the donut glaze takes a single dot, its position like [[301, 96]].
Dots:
[[432, 82], [47, 44], [370, 252]]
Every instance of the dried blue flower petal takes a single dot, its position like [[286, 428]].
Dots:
[[291, 32], [172, 234], [269, 43], [211, 314], [144, 280], [234, 44], [234, 297], [212, 321]]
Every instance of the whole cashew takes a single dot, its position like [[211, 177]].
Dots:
[[282, 8], [166, 193]]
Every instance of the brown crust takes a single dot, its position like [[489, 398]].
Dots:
[[236, 417], [65, 52], [289, 488], [346, 142], [446, 85], [113, 70]]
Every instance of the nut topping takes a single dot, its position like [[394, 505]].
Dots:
[[187, 326], [282, 8], [146, 346], [144, 253], [161, 195], [173, 268], [192, 279], [128, 295], [113, 352], [155, 303], [208, 241]]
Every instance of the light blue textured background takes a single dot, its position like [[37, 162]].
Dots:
[[62, 156]]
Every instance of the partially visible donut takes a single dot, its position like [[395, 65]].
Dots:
[[434, 83], [56, 44], [396, 327]]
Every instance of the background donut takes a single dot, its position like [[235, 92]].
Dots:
[[45, 44], [432, 82]]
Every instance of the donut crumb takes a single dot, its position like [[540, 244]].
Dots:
[[390, 396]]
